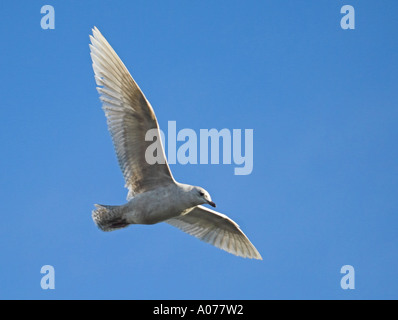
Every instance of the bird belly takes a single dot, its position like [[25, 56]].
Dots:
[[151, 208]]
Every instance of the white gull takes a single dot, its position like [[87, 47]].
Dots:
[[153, 194]]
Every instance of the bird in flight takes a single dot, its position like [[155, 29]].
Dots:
[[153, 194]]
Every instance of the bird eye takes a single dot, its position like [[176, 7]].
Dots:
[[201, 193]]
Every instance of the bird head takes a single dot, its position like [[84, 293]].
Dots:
[[202, 196]]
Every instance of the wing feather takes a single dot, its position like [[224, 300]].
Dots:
[[129, 117], [217, 229]]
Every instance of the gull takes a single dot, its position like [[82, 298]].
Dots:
[[154, 196]]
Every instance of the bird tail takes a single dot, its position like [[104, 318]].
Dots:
[[109, 218]]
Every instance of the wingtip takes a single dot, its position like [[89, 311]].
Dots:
[[259, 257], [95, 32], [255, 256]]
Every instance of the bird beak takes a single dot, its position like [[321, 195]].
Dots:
[[211, 203]]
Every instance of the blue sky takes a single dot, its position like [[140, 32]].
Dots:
[[323, 104]]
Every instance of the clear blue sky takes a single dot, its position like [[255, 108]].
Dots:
[[323, 104]]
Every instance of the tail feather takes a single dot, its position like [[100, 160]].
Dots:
[[108, 218]]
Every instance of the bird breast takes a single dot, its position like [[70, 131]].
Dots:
[[156, 205]]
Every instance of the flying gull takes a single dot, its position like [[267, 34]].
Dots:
[[153, 194]]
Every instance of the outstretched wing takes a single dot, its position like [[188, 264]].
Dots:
[[129, 116], [217, 229]]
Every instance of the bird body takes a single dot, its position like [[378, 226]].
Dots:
[[154, 196], [150, 207]]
